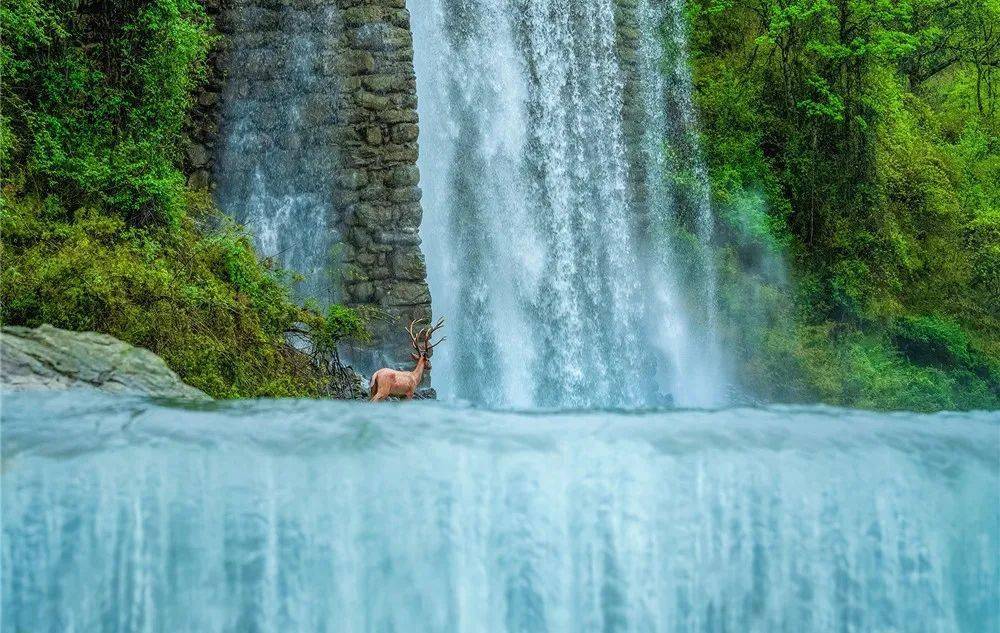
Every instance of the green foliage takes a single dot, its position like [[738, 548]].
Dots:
[[856, 140], [99, 229], [344, 323], [340, 323], [933, 340], [201, 300], [96, 97]]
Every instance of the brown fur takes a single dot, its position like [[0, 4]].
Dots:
[[391, 382]]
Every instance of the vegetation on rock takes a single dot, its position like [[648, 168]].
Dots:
[[100, 231], [859, 140]]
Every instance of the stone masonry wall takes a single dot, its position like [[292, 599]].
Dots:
[[377, 186], [203, 127], [376, 198]]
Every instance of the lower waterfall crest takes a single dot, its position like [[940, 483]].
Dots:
[[129, 515]]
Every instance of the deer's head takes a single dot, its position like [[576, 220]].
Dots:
[[421, 341]]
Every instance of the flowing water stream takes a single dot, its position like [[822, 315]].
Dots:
[[559, 160], [547, 162], [129, 515]]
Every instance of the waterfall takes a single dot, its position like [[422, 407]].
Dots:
[[552, 224], [671, 146], [130, 515], [277, 155]]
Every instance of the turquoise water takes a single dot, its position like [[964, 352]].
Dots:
[[129, 515]]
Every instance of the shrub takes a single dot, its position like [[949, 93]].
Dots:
[[932, 340], [199, 299]]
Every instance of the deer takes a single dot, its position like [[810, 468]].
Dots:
[[391, 382]]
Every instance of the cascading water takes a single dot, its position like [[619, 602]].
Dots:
[[547, 261], [278, 153], [128, 515], [691, 338]]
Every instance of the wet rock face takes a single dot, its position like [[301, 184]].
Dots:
[[50, 358], [203, 125], [307, 132]]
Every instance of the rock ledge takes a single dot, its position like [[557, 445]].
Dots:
[[49, 358]]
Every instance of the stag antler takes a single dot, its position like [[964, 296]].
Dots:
[[427, 332], [415, 338]]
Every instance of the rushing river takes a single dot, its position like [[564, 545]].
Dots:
[[130, 515]]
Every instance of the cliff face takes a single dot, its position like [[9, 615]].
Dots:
[[306, 132]]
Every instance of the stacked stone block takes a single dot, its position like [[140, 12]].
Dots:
[[203, 126], [377, 183]]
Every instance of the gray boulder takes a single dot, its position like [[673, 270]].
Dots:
[[47, 357]]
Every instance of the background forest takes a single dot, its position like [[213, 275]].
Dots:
[[853, 148], [854, 152]]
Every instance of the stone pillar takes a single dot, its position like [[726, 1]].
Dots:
[[376, 186], [373, 146]]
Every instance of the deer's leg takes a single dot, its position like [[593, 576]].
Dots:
[[380, 389]]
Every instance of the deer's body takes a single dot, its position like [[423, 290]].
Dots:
[[392, 382]]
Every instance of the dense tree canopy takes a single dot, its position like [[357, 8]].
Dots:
[[863, 136]]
